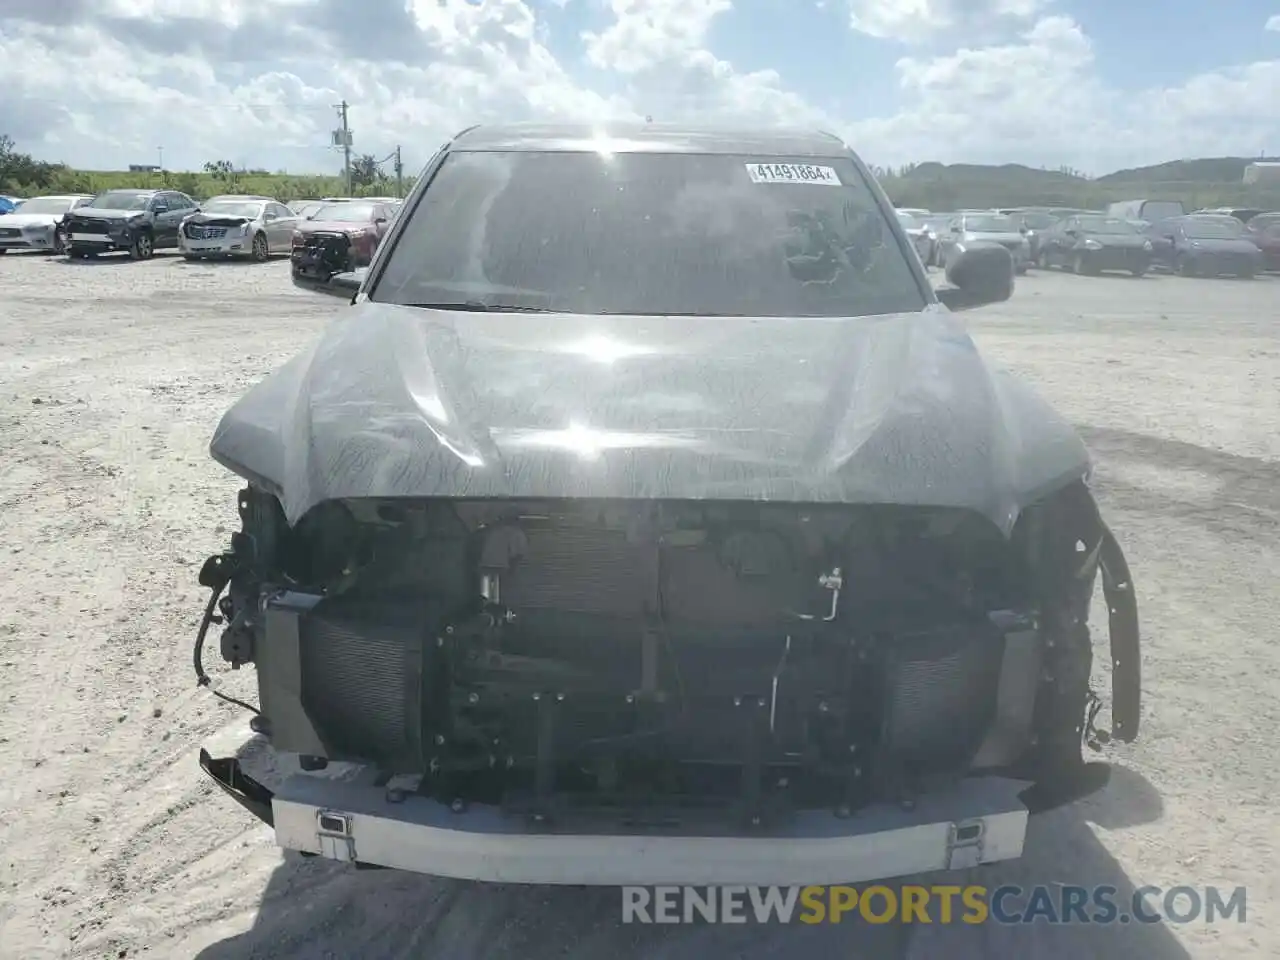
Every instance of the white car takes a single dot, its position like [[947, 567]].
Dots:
[[237, 227], [969, 227], [922, 237], [37, 225]]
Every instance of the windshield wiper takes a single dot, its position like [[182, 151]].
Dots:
[[477, 306]]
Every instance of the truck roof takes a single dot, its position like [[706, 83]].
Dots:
[[649, 138]]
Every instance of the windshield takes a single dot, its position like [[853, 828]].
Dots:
[[651, 233], [1108, 225], [343, 213], [48, 205], [121, 200], [1153, 210], [993, 223], [233, 208], [1039, 221], [1212, 229]]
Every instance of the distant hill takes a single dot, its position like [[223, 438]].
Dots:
[[1207, 182], [972, 171], [1208, 169]]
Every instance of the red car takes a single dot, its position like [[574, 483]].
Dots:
[[1264, 230], [339, 237]]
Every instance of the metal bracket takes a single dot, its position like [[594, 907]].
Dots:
[[333, 835], [964, 844], [1126, 664], [832, 580]]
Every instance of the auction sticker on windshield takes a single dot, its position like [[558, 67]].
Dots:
[[793, 173]]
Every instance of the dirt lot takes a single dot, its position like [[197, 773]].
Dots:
[[112, 376]]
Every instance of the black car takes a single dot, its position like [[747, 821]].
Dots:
[[1208, 245], [1264, 231], [137, 222], [647, 492], [1034, 224], [1094, 244]]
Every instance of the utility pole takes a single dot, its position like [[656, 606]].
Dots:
[[343, 135], [160, 155], [399, 175]]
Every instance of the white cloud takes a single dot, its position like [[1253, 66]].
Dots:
[[1039, 100], [918, 20], [1273, 23], [659, 47], [1003, 101], [106, 82]]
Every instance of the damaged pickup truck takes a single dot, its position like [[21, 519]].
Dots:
[[649, 518]]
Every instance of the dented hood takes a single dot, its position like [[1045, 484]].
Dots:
[[332, 226], [404, 402], [217, 220]]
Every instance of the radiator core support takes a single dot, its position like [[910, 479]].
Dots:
[[539, 711]]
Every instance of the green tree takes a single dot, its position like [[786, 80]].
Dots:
[[19, 172], [224, 171], [365, 171], [187, 183]]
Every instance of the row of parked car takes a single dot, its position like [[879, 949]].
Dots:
[[140, 222], [1220, 242]]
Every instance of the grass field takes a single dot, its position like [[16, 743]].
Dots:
[[282, 186]]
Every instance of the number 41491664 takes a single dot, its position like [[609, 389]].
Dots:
[[807, 173]]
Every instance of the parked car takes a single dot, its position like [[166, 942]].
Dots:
[[1264, 231], [240, 196], [990, 227], [1161, 240], [1263, 220], [1207, 246], [607, 522], [1148, 210], [1033, 224], [1243, 214], [938, 222], [1232, 224], [138, 222], [1094, 244], [39, 224], [9, 204], [304, 208], [922, 237], [238, 227], [338, 236]]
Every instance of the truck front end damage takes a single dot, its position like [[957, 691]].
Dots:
[[619, 691]]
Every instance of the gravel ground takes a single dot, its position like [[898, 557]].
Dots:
[[112, 377]]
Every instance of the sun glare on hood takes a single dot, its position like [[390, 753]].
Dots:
[[605, 350]]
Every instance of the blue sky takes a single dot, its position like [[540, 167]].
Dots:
[[1080, 83]]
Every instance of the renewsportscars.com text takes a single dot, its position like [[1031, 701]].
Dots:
[[940, 904]]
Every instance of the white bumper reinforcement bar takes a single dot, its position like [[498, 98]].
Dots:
[[980, 821]]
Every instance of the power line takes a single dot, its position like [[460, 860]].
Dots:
[[344, 134], [398, 165]]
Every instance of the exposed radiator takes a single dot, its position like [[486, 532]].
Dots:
[[344, 681], [942, 688]]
